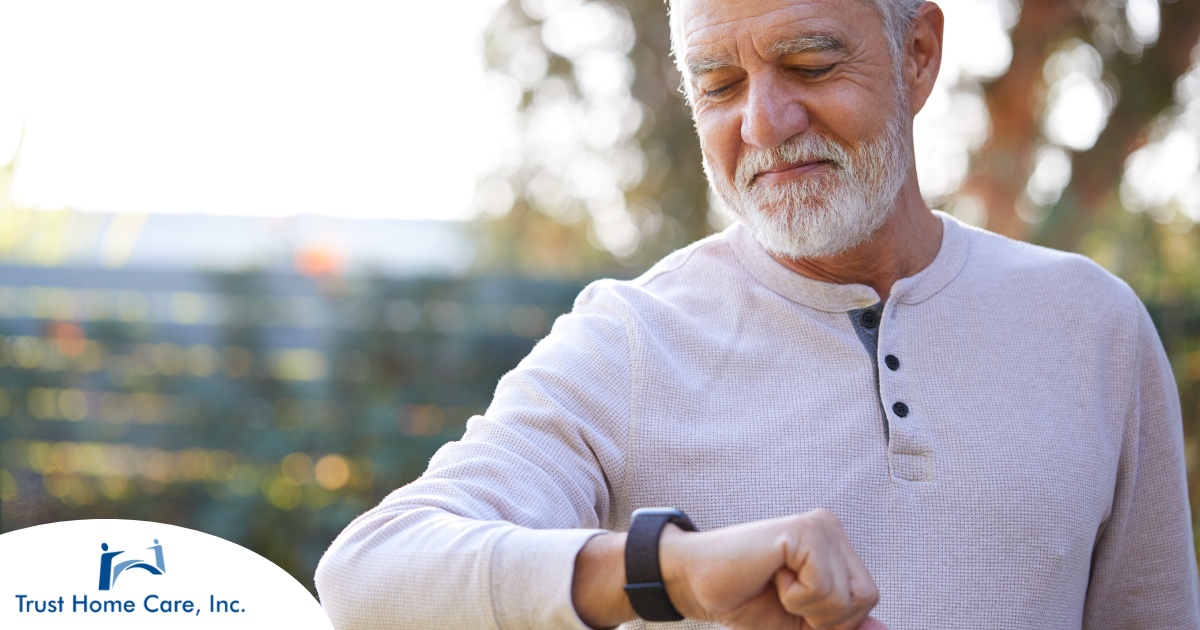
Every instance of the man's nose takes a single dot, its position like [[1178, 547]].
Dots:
[[773, 113]]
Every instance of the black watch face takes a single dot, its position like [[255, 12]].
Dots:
[[672, 515]]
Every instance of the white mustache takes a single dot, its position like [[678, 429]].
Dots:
[[798, 149]]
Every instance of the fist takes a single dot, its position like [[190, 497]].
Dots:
[[787, 573]]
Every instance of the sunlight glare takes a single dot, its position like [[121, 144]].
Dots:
[[272, 108]]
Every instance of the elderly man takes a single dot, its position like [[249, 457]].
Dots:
[[871, 413]]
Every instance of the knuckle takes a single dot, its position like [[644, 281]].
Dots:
[[822, 514], [816, 590], [867, 597], [824, 518], [796, 520]]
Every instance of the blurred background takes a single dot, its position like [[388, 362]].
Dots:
[[258, 260]]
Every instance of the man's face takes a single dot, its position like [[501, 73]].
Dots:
[[803, 128]]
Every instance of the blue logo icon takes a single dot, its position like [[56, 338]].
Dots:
[[109, 573]]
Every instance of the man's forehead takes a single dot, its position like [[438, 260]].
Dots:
[[726, 8], [700, 22]]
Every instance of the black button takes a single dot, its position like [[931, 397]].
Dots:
[[892, 362], [869, 319], [901, 409]]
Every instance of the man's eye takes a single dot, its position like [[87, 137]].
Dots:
[[813, 73], [718, 91]]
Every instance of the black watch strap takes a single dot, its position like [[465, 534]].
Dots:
[[643, 575]]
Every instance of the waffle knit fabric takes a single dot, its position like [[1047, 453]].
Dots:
[[1037, 479]]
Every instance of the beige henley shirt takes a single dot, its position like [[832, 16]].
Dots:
[[1035, 478]]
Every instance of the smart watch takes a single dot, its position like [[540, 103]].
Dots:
[[643, 575]]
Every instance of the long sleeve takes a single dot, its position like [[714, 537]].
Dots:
[[1144, 565], [487, 537]]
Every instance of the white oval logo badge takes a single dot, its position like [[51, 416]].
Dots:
[[135, 574]]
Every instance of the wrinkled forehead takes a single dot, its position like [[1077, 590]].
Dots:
[[688, 16]]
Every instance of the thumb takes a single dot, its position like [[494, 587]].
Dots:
[[785, 580], [872, 624]]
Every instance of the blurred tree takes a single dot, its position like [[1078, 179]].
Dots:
[[1134, 61], [606, 168]]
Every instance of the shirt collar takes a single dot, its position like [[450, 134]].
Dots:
[[840, 298]]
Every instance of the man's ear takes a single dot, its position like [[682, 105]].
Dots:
[[922, 55]]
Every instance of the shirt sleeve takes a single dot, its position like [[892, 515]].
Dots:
[[1144, 564], [487, 537]]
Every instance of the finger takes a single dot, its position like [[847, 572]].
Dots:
[[864, 594], [859, 621], [870, 623], [811, 581], [852, 621], [805, 578], [789, 591], [785, 581], [820, 589], [844, 571], [842, 556], [835, 607], [853, 595], [795, 596]]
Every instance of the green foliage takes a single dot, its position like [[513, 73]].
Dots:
[[266, 409], [607, 178]]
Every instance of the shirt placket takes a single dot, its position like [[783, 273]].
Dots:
[[910, 449]]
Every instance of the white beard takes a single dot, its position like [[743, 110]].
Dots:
[[825, 214]]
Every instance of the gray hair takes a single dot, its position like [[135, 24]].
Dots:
[[898, 17]]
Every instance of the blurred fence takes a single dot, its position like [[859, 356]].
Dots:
[[270, 409]]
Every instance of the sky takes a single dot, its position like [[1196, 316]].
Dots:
[[270, 108], [351, 109]]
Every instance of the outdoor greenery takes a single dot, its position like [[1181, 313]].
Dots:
[[267, 409], [271, 408]]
